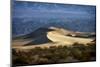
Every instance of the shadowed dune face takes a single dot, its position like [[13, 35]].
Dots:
[[39, 40], [36, 37], [37, 33]]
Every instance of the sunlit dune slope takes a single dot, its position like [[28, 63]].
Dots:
[[59, 37]]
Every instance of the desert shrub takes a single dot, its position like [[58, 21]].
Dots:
[[55, 54]]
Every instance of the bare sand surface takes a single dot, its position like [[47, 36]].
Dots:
[[58, 37]]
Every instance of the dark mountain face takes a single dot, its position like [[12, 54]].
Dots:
[[21, 27], [28, 17]]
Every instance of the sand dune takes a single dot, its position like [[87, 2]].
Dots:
[[58, 37], [20, 42]]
